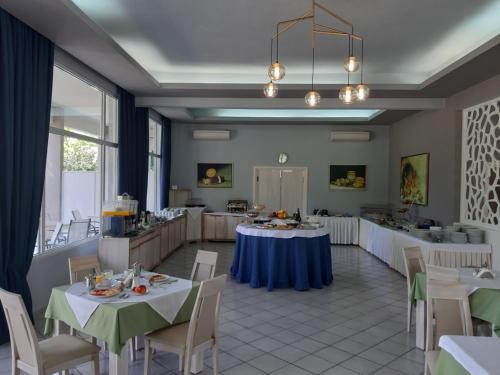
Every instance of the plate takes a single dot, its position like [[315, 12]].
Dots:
[[105, 293], [158, 278]]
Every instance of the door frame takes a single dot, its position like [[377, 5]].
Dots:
[[305, 192]]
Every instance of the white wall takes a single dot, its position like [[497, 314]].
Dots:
[[259, 145]]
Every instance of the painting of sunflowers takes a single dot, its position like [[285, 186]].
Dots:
[[414, 182]]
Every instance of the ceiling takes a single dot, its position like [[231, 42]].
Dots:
[[196, 60]]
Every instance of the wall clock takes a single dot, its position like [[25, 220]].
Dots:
[[282, 158]]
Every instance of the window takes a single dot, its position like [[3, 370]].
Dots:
[[81, 168], [153, 197]]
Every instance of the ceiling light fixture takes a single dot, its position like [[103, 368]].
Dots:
[[276, 71]]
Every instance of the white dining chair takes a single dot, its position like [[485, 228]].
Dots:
[[414, 262], [441, 273], [55, 354], [199, 334], [204, 265], [79, 267], [448, 313]]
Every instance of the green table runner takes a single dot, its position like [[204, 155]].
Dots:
[[447, 365], [115, 323], [484, 303]]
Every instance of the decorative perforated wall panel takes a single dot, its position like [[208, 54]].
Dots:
[[481, 164]]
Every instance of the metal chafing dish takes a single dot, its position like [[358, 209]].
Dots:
[[237, 206]]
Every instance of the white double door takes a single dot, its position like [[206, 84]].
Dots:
[[281, 188]]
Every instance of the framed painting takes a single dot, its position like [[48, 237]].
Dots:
[[348, 177], [414, 179], [215, 175]]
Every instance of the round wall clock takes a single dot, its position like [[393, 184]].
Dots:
[[282, 158]]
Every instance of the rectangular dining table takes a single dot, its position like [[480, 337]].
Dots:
[[116, 320], [464, 355]]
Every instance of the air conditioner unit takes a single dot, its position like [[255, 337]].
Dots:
[[343, 136], [212, 135]]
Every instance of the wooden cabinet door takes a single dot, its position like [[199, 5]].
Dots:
[[171, 237], [177, 233], [221, 227], [183, 230], [133, 256], [209, 227], [164, 241], [156, 251], [232, 223]]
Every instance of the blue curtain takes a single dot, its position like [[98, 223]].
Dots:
[[133, 148], [26, 65], [166, 156]]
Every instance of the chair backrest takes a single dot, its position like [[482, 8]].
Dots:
[[414, 262], [204, 266], [442, 273], [79, 267], [76, 214], [78, 230], [56, 233], [23, 338], [448, 303], [204, 323]]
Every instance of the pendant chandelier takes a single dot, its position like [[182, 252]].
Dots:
[[349, 93]]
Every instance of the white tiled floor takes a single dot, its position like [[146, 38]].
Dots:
[[355, 326]]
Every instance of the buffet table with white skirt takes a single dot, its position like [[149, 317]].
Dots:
[[386, 244], [343, 230]]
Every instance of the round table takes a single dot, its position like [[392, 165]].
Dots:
[[298, 258]]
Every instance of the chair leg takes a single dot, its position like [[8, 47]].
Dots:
[[95, 364], [15, 370], [187, 364], [147, 357], [72, 331], [132, 349], [426, 371], [410, 308], [215, 359], [181, 361]]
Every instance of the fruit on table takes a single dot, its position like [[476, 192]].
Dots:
[[141, 289], [282, 214]]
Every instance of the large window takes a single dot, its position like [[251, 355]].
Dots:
[[81, 169], [153, 197]]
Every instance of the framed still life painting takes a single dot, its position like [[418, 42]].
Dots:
[[348, 177], [215, 175], [414, 180]]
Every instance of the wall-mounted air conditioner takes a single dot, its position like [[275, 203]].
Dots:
[[343, 136], [212, 135]]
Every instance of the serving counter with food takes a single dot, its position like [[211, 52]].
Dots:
[[439, 248]]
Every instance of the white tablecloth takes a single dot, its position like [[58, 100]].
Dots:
[[466, 277], [478, 355], [386, 244], [251, 230], [166, 299], [343, 230]]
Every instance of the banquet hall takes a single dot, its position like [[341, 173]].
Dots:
[[286, 187]]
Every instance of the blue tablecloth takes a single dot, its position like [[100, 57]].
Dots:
[[298, 262]]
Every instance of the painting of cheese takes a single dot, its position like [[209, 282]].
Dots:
[[215, 175], [348, 177]]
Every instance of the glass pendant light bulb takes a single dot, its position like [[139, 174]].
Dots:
[[270, 89], [351, 64], [363, 91], [276, 71], [348, 94], [312, 98]]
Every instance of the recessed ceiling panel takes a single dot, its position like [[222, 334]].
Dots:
[[228, 41]]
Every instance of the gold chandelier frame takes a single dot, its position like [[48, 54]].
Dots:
[[271, 89]]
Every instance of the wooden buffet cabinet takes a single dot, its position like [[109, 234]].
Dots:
[[148, 248], [221, 226]]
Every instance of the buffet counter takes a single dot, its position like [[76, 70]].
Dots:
[[221, 226], [149, 247], [343, 230], [386, 244]]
